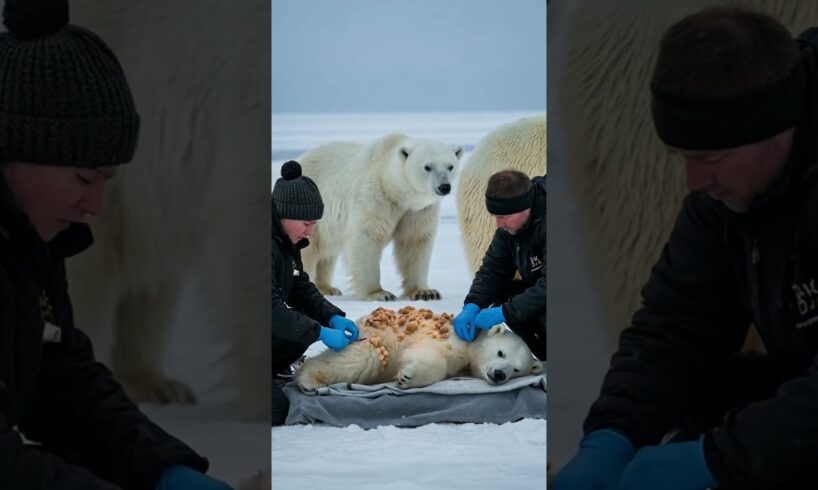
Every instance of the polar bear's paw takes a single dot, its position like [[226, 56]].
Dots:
[[404, 377], [423, 294], [329, 290], [381, 295], [158, 389]]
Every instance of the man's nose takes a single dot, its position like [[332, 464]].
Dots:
[[498, 222], [697, 174]]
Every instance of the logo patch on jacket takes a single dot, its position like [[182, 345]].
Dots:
[[806, 294], [52, 334], [296, 272], [535, 263]]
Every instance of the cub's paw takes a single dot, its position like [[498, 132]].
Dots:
[[404, 377]]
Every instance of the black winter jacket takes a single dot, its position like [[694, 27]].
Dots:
[[719, 272], [53, 390], [299, 309], [507, 254]]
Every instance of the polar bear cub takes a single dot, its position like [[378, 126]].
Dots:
[[387, 190], [415, 348]]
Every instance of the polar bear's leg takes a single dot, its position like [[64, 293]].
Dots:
[[363, 253], [143, 321], [358, 363], [421, 366], [414, 238], [324, 270], [320, 258]]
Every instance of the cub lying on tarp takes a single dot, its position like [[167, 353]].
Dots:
[[417, 348]]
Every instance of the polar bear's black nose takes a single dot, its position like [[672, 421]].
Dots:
[[499, 376], [444, 188]]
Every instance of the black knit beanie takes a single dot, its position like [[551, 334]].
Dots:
[[296, 196], [64, 99]]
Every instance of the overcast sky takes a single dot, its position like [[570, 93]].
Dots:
[[408, 55]]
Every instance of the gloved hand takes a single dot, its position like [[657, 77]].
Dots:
[[341, 323], [674, 466], [334, 339], [489, 317], [464, 322], [183, 478], [598, 464]]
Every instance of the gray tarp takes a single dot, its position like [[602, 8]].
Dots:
[[451, 400]]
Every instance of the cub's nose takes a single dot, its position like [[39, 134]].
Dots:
[[499, 376], [444, 188]]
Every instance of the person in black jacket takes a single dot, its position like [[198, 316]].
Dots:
[[518, 205], [300, 312], [67, 119], [735, 96]]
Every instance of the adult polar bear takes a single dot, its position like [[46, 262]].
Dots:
[[415, 348], [195, 200], [387, 190], [628, 187], [518, 145]]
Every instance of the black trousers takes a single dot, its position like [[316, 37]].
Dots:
[[284, 353]]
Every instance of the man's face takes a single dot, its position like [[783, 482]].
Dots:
[[737, 175], [512, 222], [298, 229], [53, 197]]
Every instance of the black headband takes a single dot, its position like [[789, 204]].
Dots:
[[501, 206], [716, 123]]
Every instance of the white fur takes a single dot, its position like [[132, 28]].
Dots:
[[374, 194], [420, 360], [627, 185], [193, 203], [519, 145]]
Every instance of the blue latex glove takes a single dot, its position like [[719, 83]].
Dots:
[[674, 466], [489, 317], [598, 464], [341, 323], [334, 339], [184, 478], [464, 322]]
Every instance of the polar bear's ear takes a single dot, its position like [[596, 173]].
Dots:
[[404, 152], [537, 367], [458, 151], [497, 329]]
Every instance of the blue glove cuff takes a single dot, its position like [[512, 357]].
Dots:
[[471, 308], [611, 441], [333, 319]]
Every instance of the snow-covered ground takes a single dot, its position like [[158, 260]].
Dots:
[[437, 456]]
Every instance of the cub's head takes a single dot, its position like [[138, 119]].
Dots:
[[498, 355]]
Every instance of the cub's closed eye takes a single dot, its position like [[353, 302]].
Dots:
[[500, 354], [516, 370], [428, 168]]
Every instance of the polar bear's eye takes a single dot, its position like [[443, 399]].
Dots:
[[428, 168], [451, 167], [500, 353], [516, 370]]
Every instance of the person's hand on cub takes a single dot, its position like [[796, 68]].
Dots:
[[489, 317], [339, 322], [334, 339], [464, 322]]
